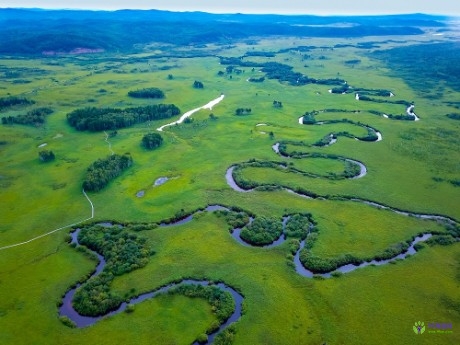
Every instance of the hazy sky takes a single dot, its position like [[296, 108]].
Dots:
[[450, 7]]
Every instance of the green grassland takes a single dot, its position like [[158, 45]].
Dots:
[[411, 169]]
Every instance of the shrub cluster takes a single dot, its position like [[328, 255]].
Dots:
[[243, 111], [298, 226], [454, 116], [226, 337], [256, 80], [318, 264], [35, 117], [123, 252], [151, 92], [152, 140], [262, 231], [102, 171], [46, 156], [11, 101], [235, 219], [221, 301], [198, 84]]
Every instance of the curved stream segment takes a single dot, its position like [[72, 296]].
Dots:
[[80, 321], [193, 111], [300, 269]]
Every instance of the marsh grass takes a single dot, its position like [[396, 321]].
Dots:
[[280, 306]]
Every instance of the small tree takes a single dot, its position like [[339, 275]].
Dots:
[[277, 104], [198, 84], [152, 140], [243, 111], [46, 156]]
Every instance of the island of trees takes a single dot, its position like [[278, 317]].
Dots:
[[6, 102], [123, 251], [198, 84], [100, 119], [282, 72], [243, 111], [151, 92], [152, 140], [46, 156], [102, 171], [35, 117], [262, 231]]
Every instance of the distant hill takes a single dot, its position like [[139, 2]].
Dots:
[[36, 31]]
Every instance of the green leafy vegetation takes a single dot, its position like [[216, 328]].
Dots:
[[11, 101], [198, 84], [226, 337], [35, 117], [235, 219], [102, 171], [152, 141], [424, 65], [256, 80], [262, 231], [298, 226], [123, 252], [151, 92], [243, 111], [221, 301], [46, 156], [99, 119], [410, 170], [453, 116]]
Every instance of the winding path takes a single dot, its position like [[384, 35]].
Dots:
[[55, 230], [193, 111], [109, 143]]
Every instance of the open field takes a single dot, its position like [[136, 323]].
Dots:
[[415, 168]]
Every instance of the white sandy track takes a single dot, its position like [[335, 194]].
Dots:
[[191, 112], [109, 143], [55, 230]]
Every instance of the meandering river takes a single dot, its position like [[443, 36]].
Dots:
[[67, 309]]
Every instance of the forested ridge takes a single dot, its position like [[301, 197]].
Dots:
[[26, 31], [424, 65]]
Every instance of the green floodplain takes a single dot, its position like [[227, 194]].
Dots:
[[414, 168]]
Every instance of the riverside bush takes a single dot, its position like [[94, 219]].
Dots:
[[262, 231]]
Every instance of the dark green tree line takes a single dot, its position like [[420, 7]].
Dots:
[[151, 92], [100, 119], [35, 117], [6, 102]]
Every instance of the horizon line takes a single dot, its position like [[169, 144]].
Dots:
[[233, 13]]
